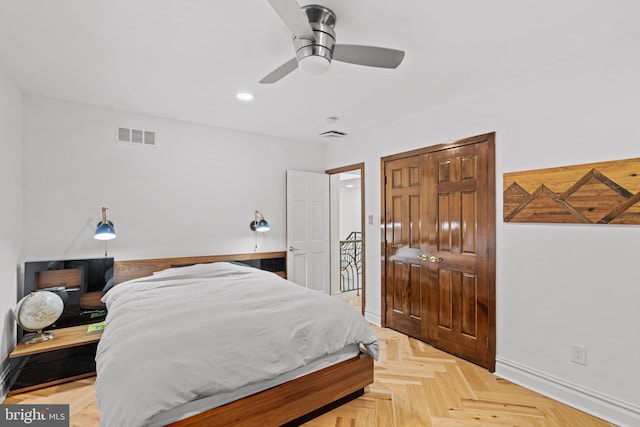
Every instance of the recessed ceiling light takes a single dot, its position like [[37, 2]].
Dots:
[[244, 96]]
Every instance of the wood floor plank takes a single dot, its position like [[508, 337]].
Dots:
[[459, 382], [439, 402], [498, 406], [476, 379]]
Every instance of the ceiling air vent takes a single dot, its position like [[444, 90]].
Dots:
[[333, 134], [136, 136]]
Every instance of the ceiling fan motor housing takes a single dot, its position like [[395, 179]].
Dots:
[[314, 56]]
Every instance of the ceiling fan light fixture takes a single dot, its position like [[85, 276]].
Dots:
[[314, 65]]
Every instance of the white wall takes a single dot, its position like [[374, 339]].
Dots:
[[349, 207], [557, 285], [193, 194], [10, 212]]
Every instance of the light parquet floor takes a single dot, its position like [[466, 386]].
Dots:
[[415, 385], [79, 395], [418, 385]]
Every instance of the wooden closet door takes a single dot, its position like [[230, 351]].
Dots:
[[439, 246], [405, 275], [458, 227]]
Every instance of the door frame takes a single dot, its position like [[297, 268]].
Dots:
[[491, 231], [349, 168]]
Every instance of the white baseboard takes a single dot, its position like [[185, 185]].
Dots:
[[373, 318], [593, 402]]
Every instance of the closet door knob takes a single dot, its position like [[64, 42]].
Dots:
[[422, 257], [434, 259], [291, 249]]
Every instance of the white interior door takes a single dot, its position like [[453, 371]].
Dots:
[[308, 229]]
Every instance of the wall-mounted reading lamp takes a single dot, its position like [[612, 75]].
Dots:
[[105, 230], [259, 225]]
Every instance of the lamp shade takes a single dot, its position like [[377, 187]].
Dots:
[[259, 223], [262, 225], [105, 229]]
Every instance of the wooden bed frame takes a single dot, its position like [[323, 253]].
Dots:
[[128, 270], [290, 403]]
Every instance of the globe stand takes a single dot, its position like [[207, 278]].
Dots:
[[37, 336]]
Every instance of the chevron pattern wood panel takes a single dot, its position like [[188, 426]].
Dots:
[[415, 385], [594, 193]]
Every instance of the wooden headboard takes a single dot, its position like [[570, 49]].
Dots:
[[128, 270]]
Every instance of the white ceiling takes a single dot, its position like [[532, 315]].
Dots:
[[186, 59]]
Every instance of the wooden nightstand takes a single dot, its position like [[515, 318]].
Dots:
[[70, 355]]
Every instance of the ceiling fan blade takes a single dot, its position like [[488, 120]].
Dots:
[[281, 71], [370, 56], [294, 18]]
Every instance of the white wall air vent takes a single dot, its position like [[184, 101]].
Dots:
[[333, 134], [136, 136]]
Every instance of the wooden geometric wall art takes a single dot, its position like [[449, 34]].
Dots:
[[594, 193]]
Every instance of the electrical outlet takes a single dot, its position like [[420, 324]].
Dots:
[[579, 354]]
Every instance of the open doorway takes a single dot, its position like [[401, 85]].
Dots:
[[346, 188]]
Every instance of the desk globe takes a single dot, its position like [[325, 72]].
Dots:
[[35, 312]]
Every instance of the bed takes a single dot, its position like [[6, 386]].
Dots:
[[179, 320]]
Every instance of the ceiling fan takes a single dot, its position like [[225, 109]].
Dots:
[[314, 40]]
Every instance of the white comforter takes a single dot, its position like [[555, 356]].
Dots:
[[189, 332]]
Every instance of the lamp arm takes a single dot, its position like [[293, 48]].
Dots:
[[104, 215]]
